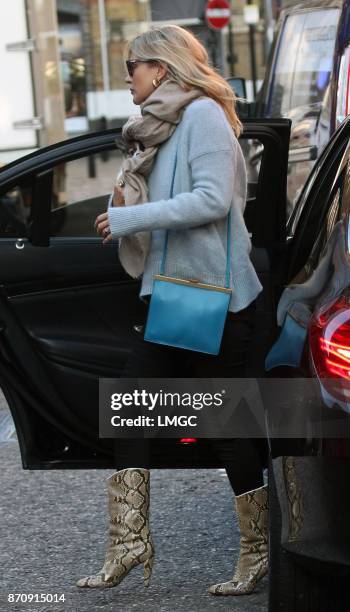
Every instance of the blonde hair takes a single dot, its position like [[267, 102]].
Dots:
[[187, 63]]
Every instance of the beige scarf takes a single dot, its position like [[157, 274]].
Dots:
[[160, 114]]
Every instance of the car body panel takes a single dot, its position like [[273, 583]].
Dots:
[[312, 475], [314, 494]]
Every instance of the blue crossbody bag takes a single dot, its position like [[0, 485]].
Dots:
[[188, 314]]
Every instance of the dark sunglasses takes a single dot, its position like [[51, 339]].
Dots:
[[131, 65]]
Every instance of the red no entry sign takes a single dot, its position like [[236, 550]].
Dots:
[[217, 13]]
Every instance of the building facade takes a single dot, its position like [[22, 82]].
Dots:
[[93, 35]]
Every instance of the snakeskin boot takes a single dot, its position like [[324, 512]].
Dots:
[[252, 512], [130, 539]]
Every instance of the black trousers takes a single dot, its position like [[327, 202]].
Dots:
[[243, 458]]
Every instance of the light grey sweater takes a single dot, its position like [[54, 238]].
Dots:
[[210, 179]]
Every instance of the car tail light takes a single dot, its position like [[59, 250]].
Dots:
[[329, 338], [188, 440]]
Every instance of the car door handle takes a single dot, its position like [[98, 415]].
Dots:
[[138, 328], [20, 243]]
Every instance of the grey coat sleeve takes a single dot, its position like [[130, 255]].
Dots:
[[210, 199]]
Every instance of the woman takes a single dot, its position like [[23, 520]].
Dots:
[[185, 172]]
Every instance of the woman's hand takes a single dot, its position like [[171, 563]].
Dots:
[[118, 196], [102, 223], [101, 226]]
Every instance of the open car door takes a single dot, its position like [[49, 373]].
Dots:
[[68, 309]]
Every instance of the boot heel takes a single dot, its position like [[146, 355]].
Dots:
[[147, 570]]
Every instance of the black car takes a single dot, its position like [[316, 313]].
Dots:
[[309, 479], [69, 311]]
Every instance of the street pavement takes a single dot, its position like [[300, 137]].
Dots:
[[54, 527]]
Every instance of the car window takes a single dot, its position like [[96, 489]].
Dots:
[[15, 210], [82, 187], [304, 61], [81, 190], [253, 152], [328, 204], [324, 232], [321, 208]]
